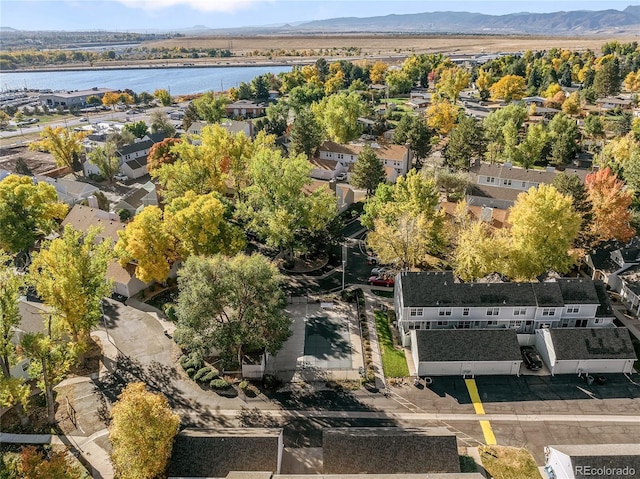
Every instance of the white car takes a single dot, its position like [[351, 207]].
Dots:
[[341, 176], [120, 177], [83, 119]]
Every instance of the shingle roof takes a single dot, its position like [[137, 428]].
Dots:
[[389, 450], [83, 217], [383, 151], [578, 291], [605, 310], [136, 163], [598, 456], [592, 343], [467, 345], [215, 453], [522, 174], [548, 294], [134, 147]]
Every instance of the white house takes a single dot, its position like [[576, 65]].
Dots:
[[469, 352], [590, 461], [434, 300], [586, 350]]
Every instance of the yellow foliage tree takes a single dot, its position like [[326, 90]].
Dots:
[[632, 81], [65, 146], [452, 81], [141, 433], [571, 106], [377, 73], [479, 252], [484, 80], [111, 99], [509, 87], [442, 116], [551, 90]]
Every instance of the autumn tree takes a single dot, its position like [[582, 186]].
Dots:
[[69, 274], [28, 211], [571, 106], [479, 251], [111, 99], [234, 305], [163, 96], [632, 81], [338, 114], [146, 240], [161, 154], [368, 171], [442, 116], [141, 432], [544, 228], [451, 82], [306, 134], [104, 157], [377, 73], [36, 464], [610, 201], [508, 88], [65, 146]]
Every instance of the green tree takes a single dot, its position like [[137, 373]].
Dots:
[[398, 82], [94, 100], [65, 146], [27, 212], [608, 79], [104, 157], [141, 433], [145, 98], [368, 171], [260, 87], [138, 128], [466, 143], [121, 138], [563, 136], [572, 186], [160, 123], [232, 304], [190, 116], [495, 123], [276, 119], [211, 107], [163, 96], [338, 114], [69, 274], [413, 130], [544, 228], [531, 149], [305, 135]]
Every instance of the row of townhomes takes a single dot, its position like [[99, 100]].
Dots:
[[457, 328]]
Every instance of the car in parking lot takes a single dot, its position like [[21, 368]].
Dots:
[[379, 271], [531, 358], [381, 281]]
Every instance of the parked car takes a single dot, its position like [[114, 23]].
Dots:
[[531, 358], [341, 176], [120, 177], [83, 119], [381, 281], [379, 271]]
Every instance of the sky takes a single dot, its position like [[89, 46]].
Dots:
[[141, 15]]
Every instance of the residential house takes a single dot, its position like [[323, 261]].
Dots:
[[132, 158], [534, 100], [74, 98], [434, 300], [469, 352], [588, 461], [32, 321], [216, 453], [609, 103], [245, 109], [82, 218], [340, 158], [586, 350], [389, 450], [138, 198]]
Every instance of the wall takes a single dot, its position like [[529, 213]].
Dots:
[[594, 366], [544, 345], [561, 464]]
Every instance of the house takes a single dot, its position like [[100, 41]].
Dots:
[[216, 453], [245, 109], [434, 300], [69, 192], [68, 99], [609, 103], [534, 100], [32, 321], [586, 350], [588, 461], [396, 159], [138, 198], [132, 158], [389, 450], [82, 218], [469, 352]]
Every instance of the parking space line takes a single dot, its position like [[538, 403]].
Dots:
[[487, 431]]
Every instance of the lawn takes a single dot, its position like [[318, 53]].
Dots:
[[382, 294], [503, 462], [394, 362]]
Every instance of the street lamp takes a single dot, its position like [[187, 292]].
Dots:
[[344, 262]]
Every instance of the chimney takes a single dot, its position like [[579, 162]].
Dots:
[[92, 201]]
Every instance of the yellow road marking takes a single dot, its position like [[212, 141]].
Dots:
[[487, 431]]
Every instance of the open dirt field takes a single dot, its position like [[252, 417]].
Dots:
[[38, 162]]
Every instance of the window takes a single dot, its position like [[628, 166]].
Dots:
[[442, 323], [548, 312], [464, 324], [492, 323], [573, 309], [581, 323], [465, 311], [598, 321], [416, 312], [491, 179], [506, 182], [519, 311], [414, 326], [493, 311], [444, 312]]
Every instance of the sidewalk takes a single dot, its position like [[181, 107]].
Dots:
[[633, 325], [376, 356]]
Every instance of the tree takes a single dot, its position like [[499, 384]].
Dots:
[[160, 123], [4, 119], [466, 143], [111, 99], [530, 151], [572, 186], [452, 81], [495, 125], [377, 72], [509, 87], [69, 274], [27, 212], [593, 126], [141, 432], [611, 215], [104, 157], [163, 96], [478, 252], [617, 153], [571, 105], [94, 100], [368, 171], [162, 153], [306, 134], [398, 82], [442, 116], [211, 107], [199, 224], [146, 240], [278, 208], [563, 135], [138, 128], [22, 168], [338, 114], [276, 120], [544, 228], [607, 80], [190, 116], [232, 304], [65, 146], [413, 130], [34, 464], [145, 98], [121, 138], [632, 81]]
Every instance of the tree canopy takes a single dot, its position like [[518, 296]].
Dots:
[[368, 171]]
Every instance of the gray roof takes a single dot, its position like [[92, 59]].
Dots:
[[215, 453], [605, 310], [134, 147], [597, 456], [136, 163], [467, 345], [389, 450], [523, 174], [592, 343]]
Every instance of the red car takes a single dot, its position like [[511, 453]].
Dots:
[[381, 281]]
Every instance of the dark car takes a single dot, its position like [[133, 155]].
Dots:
[[381, 281], [531, 358]]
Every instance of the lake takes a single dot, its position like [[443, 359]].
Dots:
[[178, 81]]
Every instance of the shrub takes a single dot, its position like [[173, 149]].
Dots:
[[190, 372], [243, 385], [212, 374], [193, 361], [170, 311], [201, 373], [219, 385]]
